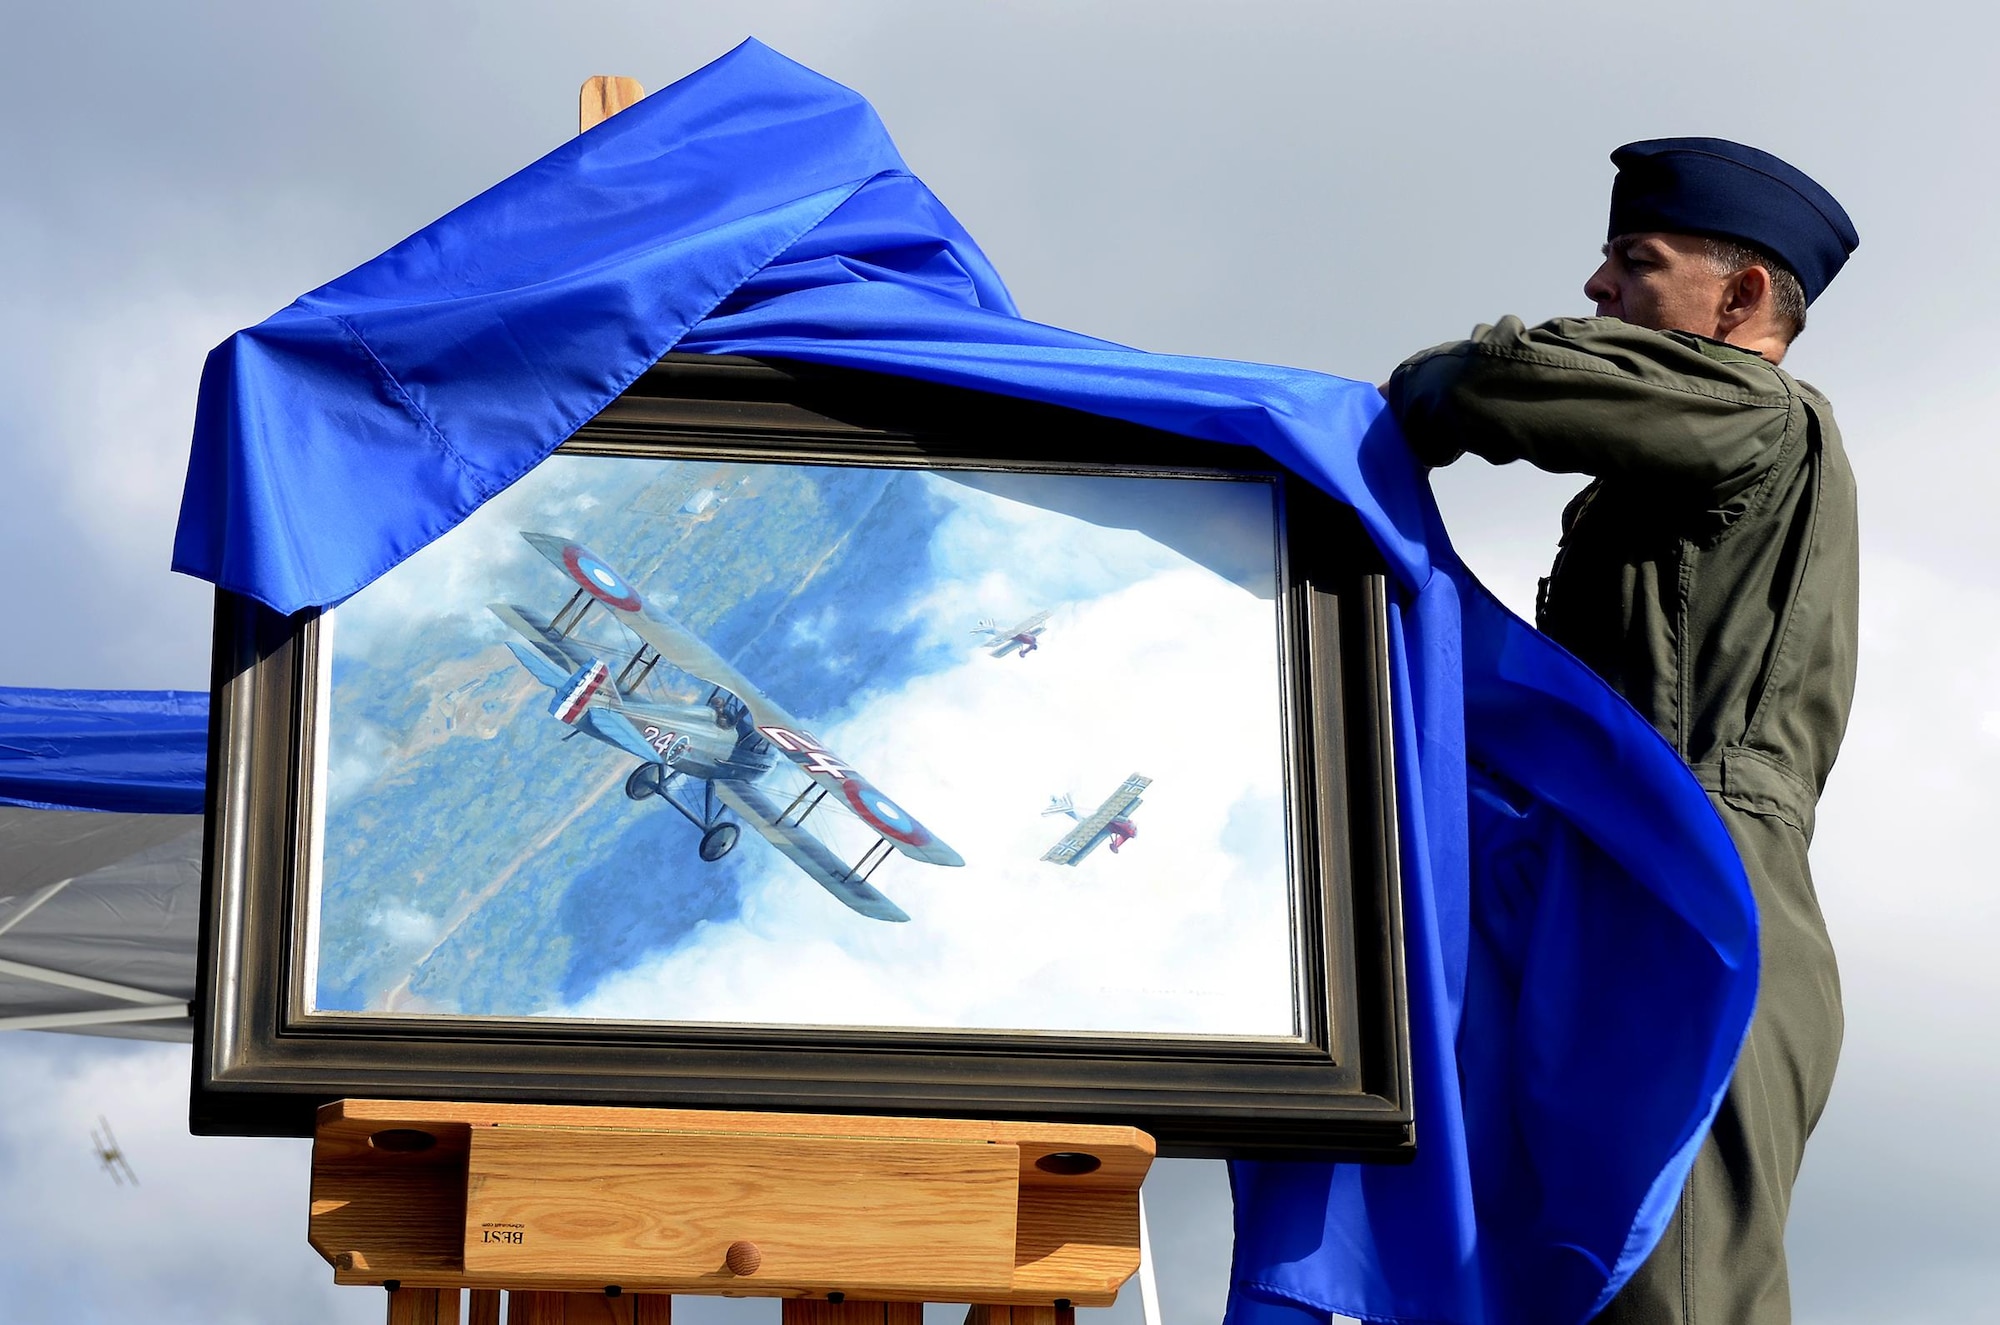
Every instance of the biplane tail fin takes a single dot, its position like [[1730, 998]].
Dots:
[[1063, 804], [588, 683]]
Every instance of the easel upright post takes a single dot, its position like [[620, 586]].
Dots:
[[602, 97]]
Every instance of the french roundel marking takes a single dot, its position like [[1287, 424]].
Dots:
[[602, 582], [882, 814]]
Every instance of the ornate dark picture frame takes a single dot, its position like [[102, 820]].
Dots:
[[265, 1059]]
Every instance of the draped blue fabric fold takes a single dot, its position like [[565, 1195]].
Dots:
[[126, 751], [1581, 939]]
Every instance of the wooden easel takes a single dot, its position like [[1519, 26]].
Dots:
[[599, 1215]]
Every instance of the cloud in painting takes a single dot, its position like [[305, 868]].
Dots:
[[999, 551]]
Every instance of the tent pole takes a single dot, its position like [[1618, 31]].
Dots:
[[32, 903], [83, 983], [56, 1021]]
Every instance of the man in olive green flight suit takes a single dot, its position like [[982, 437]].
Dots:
[[1709, 573]]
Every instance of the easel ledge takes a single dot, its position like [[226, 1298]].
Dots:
[[848, 1218]]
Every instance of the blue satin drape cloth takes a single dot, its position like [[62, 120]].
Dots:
[[126, 751], [1581, 939]]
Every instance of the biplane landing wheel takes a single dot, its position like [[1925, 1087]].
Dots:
[[718, 841], [646, 780]]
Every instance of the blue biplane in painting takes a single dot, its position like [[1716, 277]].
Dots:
[[1110, 822], [727, 744]]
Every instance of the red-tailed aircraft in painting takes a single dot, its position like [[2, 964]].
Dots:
[[728, 744], [1110, 822], [999, 643]]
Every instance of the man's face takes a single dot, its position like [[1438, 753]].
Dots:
[[1659, 281]]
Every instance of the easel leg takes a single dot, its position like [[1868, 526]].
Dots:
[[589, 1309], [423, 1306], [483, 1307], [818, 1311], [1063, 1314]]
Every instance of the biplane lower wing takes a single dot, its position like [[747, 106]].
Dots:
[[808, 852], [1076, 844], [540, 649]]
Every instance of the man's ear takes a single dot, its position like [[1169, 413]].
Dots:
[[1744, 295]]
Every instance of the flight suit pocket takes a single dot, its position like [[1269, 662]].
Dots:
[[1757, 783]]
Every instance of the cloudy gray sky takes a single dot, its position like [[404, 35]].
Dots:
[[1331, 185]]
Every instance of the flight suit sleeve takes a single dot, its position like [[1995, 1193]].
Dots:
[[1596, 396]]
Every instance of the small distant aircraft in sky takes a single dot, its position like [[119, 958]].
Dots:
[[109, 1156], [999, 643], [1110, 822], [727, 744]]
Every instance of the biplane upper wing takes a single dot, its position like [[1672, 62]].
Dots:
[[1032, 625], [679, 646], [674, 642], [847, 882], [1081, 840]]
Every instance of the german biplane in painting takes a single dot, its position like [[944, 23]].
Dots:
[[1110, 822], [999, 643], [713, 758]]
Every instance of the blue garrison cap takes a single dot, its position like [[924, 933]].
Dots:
[[1711, 186]]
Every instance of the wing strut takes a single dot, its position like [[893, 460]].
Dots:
[[571, 615], [628, 681], [806, 791], [866, 866]]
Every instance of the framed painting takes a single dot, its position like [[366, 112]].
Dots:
[[802, 739]]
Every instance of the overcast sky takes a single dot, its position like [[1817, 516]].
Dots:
[[1330, 185]]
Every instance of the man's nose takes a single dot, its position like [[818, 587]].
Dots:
[[1600, 289]]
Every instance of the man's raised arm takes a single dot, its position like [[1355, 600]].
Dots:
[[1596, 396]]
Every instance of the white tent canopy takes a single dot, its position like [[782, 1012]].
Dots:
[[98, 921]]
